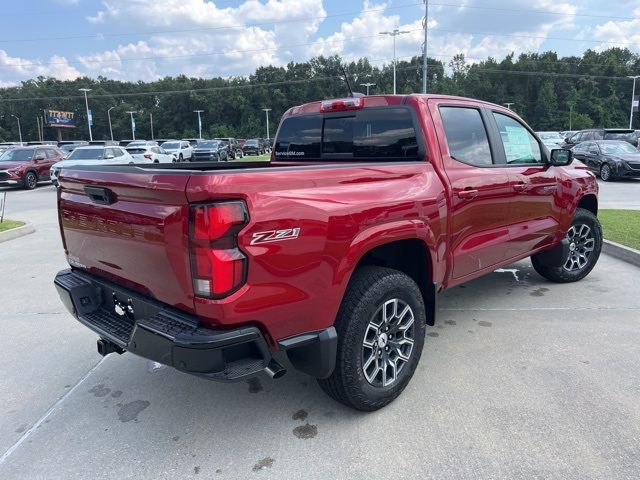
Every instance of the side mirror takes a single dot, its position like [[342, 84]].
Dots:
[[108, 156], [560, 157], [39, 157], [593, 152]]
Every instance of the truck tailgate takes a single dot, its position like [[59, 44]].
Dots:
[[130, 228]]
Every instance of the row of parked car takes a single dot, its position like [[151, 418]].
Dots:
[[26, 165], [610, 153]]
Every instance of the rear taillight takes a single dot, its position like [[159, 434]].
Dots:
[[218, 266]]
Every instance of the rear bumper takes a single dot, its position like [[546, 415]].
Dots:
[[150, 329]]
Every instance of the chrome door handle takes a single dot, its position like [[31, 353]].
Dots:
[[467, 193]]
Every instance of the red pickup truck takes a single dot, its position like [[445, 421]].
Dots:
[[330, 255]]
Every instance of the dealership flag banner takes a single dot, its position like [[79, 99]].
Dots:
[[636, 102]]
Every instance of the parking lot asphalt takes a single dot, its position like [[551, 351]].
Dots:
[[520, 378], [624, 194]]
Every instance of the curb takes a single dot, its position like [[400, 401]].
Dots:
[[18, 232], [621, 252]]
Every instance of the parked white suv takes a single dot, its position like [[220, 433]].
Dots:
[[153, 153], [94, 155], [180, 149]]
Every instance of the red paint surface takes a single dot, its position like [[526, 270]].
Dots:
[[294, 286]]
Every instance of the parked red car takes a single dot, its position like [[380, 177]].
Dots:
[[26, 166], [333, 252]]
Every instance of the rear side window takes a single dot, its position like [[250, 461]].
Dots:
[[466, 135], [299, 138], [370, 134]]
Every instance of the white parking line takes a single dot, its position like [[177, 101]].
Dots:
[[534, 309], [33, 428]]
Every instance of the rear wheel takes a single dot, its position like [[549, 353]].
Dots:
[[381, 329], [180, 157], [30, 181], [585, 244]]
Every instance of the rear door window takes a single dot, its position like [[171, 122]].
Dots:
[[466, 136], [371, 134]]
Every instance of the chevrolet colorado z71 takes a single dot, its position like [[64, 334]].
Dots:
[[333, 252]]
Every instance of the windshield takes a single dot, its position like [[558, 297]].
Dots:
[[618, 147], [208, 144], [171, 145], [136, 151], [17, 156], [252, 142], [86, 154], [550, 136]]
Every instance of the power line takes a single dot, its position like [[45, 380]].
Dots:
[[215, 28], [521, 10], [305, 80], [302, 19], [186, 55], [87, 61]]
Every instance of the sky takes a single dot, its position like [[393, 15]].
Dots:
[[143, 40]]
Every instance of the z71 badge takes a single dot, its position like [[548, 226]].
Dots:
[[275, 235]]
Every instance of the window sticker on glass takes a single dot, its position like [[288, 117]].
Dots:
[[517, 144]]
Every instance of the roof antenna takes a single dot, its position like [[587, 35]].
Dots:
[[346, 79]]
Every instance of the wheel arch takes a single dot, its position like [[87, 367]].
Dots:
[[400, 246], [589, 202]]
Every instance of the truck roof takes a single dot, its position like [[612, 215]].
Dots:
[[379, 101]]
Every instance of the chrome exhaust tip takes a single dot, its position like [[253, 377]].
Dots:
[[274, 369]]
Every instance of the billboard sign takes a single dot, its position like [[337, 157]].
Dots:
[[60, 119]]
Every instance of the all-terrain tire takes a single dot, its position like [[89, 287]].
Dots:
[[561, 274], [369, 290]]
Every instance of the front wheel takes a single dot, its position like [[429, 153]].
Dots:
[[381, 331], [585, 244], [605, 173], [30, 181]]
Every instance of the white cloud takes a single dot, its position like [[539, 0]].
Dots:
[[214, 38], [448, 33], [202, 38], [15, 69], [625, 33]]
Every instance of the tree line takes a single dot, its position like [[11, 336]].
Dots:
[[548, 91]]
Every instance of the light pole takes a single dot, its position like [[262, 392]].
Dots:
[[86, 104], [633, 98], [109, 117], [19, 130], [508, 104], [570, 117], [133, 125], [267, 110], [424, 52], [368, 84], [151, 122], [199, 123], [394, 34]]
